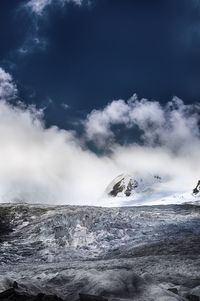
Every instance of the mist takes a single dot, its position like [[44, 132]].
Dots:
[[56, 166]]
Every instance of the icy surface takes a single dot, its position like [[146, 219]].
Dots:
[[120, 252]]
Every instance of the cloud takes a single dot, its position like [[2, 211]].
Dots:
[[44, 165], [65, 106], [34, 40], [98, 123], [33, 43], [8, 89], [51, 165], [38, 6], [41, 164], [174, 125]]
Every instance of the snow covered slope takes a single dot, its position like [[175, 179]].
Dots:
[[148, 189], [127, 185]]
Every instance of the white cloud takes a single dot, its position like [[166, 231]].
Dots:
[[65, 106], [34, 41], [98, 123], [45, 165], [8, 89], [174, 125], [38, 6], [51, 165]]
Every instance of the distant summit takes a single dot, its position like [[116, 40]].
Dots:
[[126, 185], [147, 188]]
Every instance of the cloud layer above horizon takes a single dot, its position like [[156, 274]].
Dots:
[[52, 165]]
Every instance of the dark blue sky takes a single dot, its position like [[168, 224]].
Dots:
[[85, 56]]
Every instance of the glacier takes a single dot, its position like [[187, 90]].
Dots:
[[124, 253]]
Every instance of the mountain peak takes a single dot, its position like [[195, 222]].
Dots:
[[126, 185]]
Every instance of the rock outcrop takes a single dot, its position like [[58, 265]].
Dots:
[[12, 294], [196, 190]]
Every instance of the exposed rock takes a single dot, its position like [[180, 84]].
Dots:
[[192, 298], [7, 294], [196, 190], [5, 224], [127, 185], [173, 290], [12, 295], [124, 184], [86, 297]]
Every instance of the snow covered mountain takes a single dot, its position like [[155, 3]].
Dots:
[[126, 185], [148, 189]]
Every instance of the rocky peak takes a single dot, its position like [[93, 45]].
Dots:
[[126, 185], [122, 184], [196, 190]]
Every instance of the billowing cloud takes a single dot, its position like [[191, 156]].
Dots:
[[8, 89], [51, 165], [174, 125], [45, 165]]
